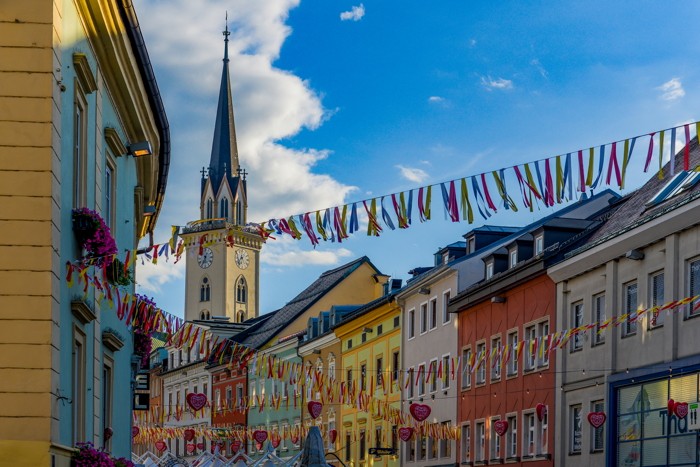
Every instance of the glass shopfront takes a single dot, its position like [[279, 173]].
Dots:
[[646, 434]]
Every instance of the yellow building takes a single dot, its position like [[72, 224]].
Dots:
[[370, 340], [82, 125]]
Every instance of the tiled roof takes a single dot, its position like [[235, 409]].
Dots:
[[302, 302]]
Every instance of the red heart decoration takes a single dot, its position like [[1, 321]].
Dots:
[[333, 435], [235, 445], [135, 431], [109, 432], [260, 436], [200, 446], [161, 446], [295, 439], [275, 441], [315, 408], [681, 409], [671, 405], [597, 419], [541, 410], [420, 411], [500, 427], [196, 400], [405, 433], [189, 434], [190, 448]]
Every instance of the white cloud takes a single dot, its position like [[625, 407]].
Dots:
[[472, 42], [355, 14], [672, 90], [150, 277], [500, 83], [287, 252], [436, 99], [413, 174], [538, 66]]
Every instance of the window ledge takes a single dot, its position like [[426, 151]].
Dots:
[[84, 73], [511, 460], [495, 461], [114, 142], [112, 340], [82, 311], [544, 456], [631, 334]]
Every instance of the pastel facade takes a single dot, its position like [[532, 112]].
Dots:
[[74, 96], [646, 254]]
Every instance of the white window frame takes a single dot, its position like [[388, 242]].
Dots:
[[576, 321], [575, 426], [466, 370], [495, 362], [656, 319], [445, 380], [598, 406], [513, 257], [512, 436], [629, 327], [539, 244], [495, 440], [489, 270], [529, 446], [466, 440], [411, 323], [423, 318], [432, 313], [692, 263], [446, 318], [512, 366], [529, 358], [421, 380], [480, 441], [481, 364], [433, 378], [599, 315]]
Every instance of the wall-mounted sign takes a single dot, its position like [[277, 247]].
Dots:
[[382, 451], [141, 401], [142, 382]]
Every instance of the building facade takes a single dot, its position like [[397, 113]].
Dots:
[[630, 357], [78, 95]]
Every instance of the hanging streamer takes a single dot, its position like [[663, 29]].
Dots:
[[661, 154], [548, 185], [601, 165], [373, 227], [650, 152], [686, 152], [354, 221], [467, 213], [500, 181], [612, 165], [629, 148], [385, 216], [480, 201]]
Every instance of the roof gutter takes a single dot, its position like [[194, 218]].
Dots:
[[128, 14]]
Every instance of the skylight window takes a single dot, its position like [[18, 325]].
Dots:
[[681, 182]]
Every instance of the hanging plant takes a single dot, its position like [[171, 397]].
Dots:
[[117, 274], [94, 236], [88, 456], [142, 346]]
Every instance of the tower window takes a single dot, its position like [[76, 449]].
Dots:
[[223, 208], [241, 316], [204, 315], [210, 208], [241, 290], [240, 218], [205, 291]]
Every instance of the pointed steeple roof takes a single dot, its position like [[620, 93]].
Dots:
[[224, 151]]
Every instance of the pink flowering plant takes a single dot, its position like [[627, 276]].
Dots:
[[94, 236], [88, 456]]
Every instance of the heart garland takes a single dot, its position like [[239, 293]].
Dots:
[[260, 436], [191, 448], [161, 446], [135, 431], [189, 434], [315, 408], [196, 400], [500, 427], [420, 411], [596, 419], [405, 433], [681, 409], [235, 445]]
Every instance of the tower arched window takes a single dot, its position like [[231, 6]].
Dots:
[[241, 290], [210, 208], [223, 208], [240, 220], [241, 316], [205, 290], [204, 315]]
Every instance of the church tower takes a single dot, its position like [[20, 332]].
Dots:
[[223, 255]]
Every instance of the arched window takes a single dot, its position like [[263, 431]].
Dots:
[[241, 316], [210, 208], [204, 315], [223, 208], [241, 290], [205, 290], [240, 220]]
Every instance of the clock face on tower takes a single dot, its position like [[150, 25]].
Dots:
[[242, 259], [206, 258]]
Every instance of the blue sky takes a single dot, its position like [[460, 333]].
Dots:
[[339, 101]]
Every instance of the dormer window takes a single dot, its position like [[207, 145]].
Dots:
[[489, 270], [539, 244], [681, 182], [513, 258], [445, 258], [471, 245]]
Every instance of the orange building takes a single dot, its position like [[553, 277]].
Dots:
[[229, 394]]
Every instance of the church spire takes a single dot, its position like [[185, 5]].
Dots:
[[224, 151]]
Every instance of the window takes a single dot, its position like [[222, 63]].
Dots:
[[433, 313], [597, 434], [471, 245], [543, 359], [348, 377], [433, 369], [210, 208], [495, 440], [363, 376], [693, 286], [107, 391], [349, 343], [656, 299], [575, 429], [348, 444], [378, 436], [395, 364], [489, 270], [599, 317], [445, 449], [380, 371], [380, 329], [394, 437], [539, 244], [544, 433], [110, 198], [445, 312], [363, 444], [424, 318], [217, 399], [239, 396], [512, 437], [80, 119], [421, 448], [678, 184], [529, 432], [411, 324], [630, 308], [204, 290], [445, 372], [481, 365], [411, 450], [411, 382], [466, 368], [432, 448], [512, 350], [480, 447], [223, 208], [364, 337], [241, 290], [421, 380], [577, 321], [78, 376], [397, 321], [240, 213], [513, 257], [495, 360], [530, 353], [466, 443]]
